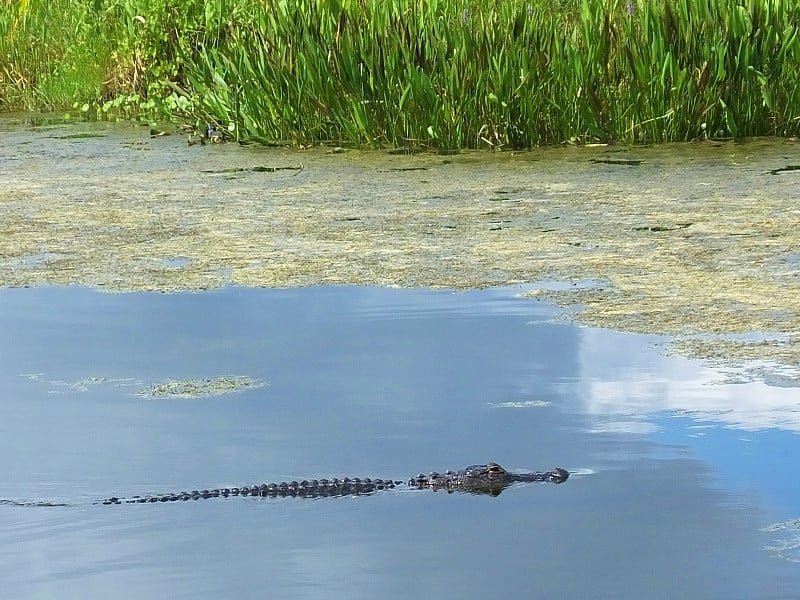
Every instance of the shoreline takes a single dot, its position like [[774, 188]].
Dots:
[[695, 241]]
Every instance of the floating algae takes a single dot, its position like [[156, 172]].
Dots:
[[696, 240], [173, 388], [197, 388]]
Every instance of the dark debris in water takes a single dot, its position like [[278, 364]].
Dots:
[[628, 162], [784, 169], [79, 136], [256, 169], [661, 228], [402, 169]]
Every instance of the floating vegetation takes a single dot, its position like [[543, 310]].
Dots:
[[121, 220], [197, 388], [190, 388]]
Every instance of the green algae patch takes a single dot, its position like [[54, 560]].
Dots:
[[698, 242], [198, 388]]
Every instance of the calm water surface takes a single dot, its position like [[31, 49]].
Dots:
[[675, 479]]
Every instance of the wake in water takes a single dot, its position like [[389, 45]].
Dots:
[[48, 503]]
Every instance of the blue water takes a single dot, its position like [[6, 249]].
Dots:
[[674, 478]]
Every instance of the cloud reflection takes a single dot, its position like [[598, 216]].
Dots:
[[624, 376]]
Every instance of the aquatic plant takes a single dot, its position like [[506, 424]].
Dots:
[[421, 73], [104, 55], [40, 66], [516, 73]]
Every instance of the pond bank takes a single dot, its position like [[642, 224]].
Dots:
[[698, 241]]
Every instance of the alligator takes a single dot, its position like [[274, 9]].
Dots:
[[489, 479]]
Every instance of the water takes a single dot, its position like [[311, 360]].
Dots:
[[674, 479]]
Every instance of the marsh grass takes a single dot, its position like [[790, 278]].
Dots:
[[51, 53], [510, 74], [439, 74], [124, 55]]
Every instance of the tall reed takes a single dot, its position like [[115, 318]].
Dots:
[[50, 53], [478, 73], [442, 74]]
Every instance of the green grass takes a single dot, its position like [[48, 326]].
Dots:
[[51, 53], [442, 74]]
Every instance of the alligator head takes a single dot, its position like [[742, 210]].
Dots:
[[490, 479]]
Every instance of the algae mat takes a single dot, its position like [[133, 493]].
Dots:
[[699, 241]]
